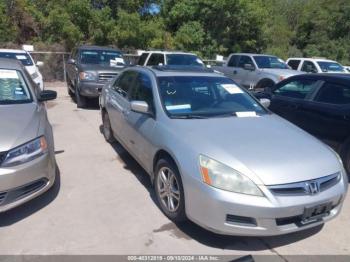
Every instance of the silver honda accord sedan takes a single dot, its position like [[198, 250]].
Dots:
[[27, 159], [219, 157]]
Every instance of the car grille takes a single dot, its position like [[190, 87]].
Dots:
[[2, 157], [303, 188], [21, 192], [105, 77]]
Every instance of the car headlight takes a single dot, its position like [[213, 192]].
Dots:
[[26, 152], [88, 76], [35, 75], [226, 178]]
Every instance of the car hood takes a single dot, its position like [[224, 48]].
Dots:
[[100, 68], [21, 124], [268, 149], [281, 72]]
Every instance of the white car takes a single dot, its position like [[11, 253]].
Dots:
[[316, 65], [172, 58], [27, 61]]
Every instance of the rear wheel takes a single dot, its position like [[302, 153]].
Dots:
[[169, 190], [107, 128]]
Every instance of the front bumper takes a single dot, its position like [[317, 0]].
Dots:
[[236, 214], [22, 183], [90, 89]]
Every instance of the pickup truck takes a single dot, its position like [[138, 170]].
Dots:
[[89, 69], [255, 71]]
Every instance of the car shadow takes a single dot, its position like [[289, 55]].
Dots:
[[21, 212], [189, 230]]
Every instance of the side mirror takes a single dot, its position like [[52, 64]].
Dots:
[[39, 63], [265, 102], [249, 67], [47, 95], [140, 107], [71, 61]]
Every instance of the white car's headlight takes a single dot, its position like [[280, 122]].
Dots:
[[88, 76], [26, 152], [226, 178]]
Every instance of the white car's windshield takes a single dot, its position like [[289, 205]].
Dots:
[[22, 57], [205, 97], [270, 62], [13, 88], [330, 66]]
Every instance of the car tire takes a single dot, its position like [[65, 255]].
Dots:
[[69, 90], [80, 100], [169, 190], [106, 128]]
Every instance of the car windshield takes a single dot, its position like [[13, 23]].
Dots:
[[101, 57], [200, 96], [184, 59], [270, 62], [23, 57], [330, 66], [13, 88]]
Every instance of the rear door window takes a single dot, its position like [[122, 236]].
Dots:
[[294, 64], [142, 59], [155, 59], [333, 93]]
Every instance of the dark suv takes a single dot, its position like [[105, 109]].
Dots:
[[89, 68]]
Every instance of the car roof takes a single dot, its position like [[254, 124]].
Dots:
[[160, 71], [252, 54], [13, 51], [10, 64], [168, 52], [95, 47], [312, 59], [324, 76]]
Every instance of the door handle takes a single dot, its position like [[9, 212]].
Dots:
[[234, 72]]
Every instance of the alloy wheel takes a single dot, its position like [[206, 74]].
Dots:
[[168, 189]]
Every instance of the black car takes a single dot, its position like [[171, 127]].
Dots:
[[319, 104], [89, 68]]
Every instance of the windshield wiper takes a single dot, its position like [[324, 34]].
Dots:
[[188, 116]]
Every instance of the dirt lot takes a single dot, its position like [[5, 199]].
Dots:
[[103, 203]]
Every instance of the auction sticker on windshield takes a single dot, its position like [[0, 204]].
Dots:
[[6, 74], [232, 89], [246, 114]]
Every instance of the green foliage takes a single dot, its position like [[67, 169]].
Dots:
[[208, 27]]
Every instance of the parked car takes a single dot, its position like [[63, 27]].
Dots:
[[27, 157], [255, 71], [217, 156], [316, 65], [27, 61], [155, 58], [319, 104], [89, 68]]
